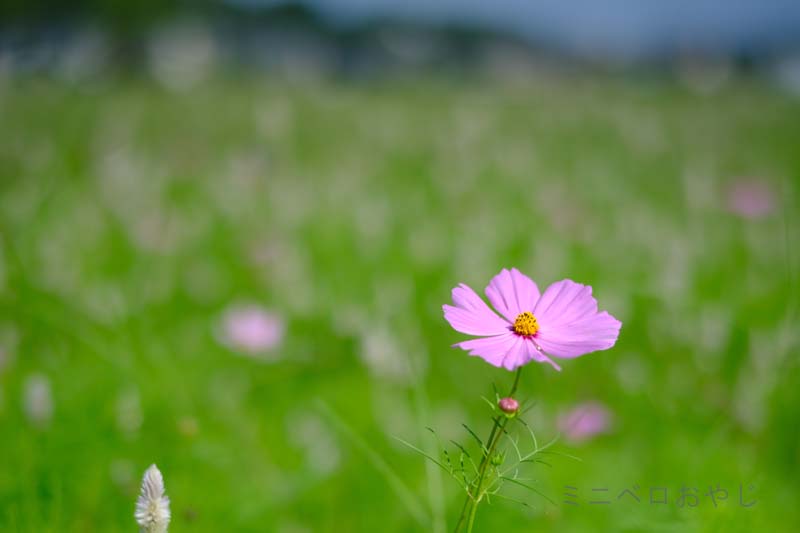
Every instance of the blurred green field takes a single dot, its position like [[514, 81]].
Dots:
[[132, 217]]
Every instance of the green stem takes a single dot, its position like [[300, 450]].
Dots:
[[469, 499], [472, 514], [482, 475], [516, 382], [494, 439]]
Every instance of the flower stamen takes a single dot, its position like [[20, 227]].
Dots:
[[526, 324]]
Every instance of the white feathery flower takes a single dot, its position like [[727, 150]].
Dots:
[[152, 507]]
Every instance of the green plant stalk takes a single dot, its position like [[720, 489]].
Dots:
[[469, 499], [482, 475], [494, 439]]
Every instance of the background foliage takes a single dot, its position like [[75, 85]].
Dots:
[[131, 217]]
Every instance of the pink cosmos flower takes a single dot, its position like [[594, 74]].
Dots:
[[750, 199], [584, 421], [563, 322], [251, 329]]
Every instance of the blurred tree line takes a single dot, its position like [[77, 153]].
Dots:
[[119, 16]]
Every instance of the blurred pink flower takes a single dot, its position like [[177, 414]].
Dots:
[[251, 329], [563, 322], [751, 199], [584, 422]]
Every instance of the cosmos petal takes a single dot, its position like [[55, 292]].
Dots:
[[493, 350], [590, 333], [517, 356], [511, 292], [565, 301], [538, 355], [471, 315]]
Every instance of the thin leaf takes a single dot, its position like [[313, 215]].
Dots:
[[492, 405], [422, 453], [477, 438], [570, 456], [404, 494], [533, 435], [460, 447], [525, 504], [533, 489]]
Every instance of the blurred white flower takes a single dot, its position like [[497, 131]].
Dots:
[[251, 330], [705, 75], [786, 72], [152, 508], [188, 427], [309, 432], [384, 356], [4, 358], [8, 345], [83, 56], [122, 472], [129, 412], [182, 55], [2, 270], [38, 400], [293, 527]]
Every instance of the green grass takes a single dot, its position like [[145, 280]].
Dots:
[[132, 217]]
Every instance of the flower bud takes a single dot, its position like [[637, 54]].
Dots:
[[498, 459], [508, 405]]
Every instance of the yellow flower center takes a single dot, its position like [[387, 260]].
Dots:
[[526, 324]]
